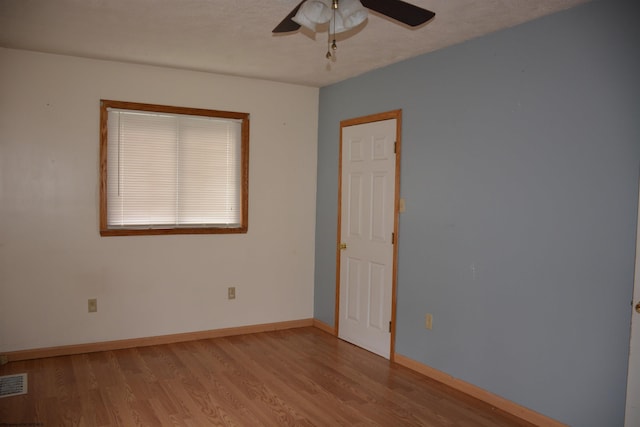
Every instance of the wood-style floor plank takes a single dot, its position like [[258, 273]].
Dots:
[[296, 377]]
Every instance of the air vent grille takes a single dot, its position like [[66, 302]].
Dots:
[[13, 385]]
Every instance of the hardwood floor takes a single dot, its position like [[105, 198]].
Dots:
[[296, 377]]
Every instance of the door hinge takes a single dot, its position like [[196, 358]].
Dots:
[[395, 147], [389, 325], [393, 238]]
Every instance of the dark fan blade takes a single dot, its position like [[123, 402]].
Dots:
[[400, 11], [287, 24]]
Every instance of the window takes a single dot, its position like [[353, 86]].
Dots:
[[172, 170]]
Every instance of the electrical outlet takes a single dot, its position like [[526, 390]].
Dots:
[[231, 292], [428, 321], [402, 207], [93, 305]]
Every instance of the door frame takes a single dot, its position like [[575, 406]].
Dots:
[[397, 115]]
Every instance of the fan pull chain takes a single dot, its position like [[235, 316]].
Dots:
[[328, 55], [332, 45]]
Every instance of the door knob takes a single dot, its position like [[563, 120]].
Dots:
[[638, 307]]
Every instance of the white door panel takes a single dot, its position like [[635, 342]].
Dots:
[[366, 265]]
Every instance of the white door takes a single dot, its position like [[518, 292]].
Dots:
[[367, 220], [632, 414]]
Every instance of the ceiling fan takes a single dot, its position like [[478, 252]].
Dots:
[[344, 15], [397, 10]]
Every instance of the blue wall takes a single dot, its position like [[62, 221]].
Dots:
[[521, 154]]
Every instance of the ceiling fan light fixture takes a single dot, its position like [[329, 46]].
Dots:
[[352, 13], [312, 13], [345, 15]]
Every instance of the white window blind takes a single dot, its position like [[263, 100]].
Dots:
[[172, 170]]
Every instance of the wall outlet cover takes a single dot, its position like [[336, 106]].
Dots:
[[428, 321]]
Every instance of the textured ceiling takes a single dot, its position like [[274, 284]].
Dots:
[[234, 36]]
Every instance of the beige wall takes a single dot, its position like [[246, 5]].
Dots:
[[52, 258]]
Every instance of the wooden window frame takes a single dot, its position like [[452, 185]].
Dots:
[[244, 165]]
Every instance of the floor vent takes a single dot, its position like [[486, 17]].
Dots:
[[13, 385]]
